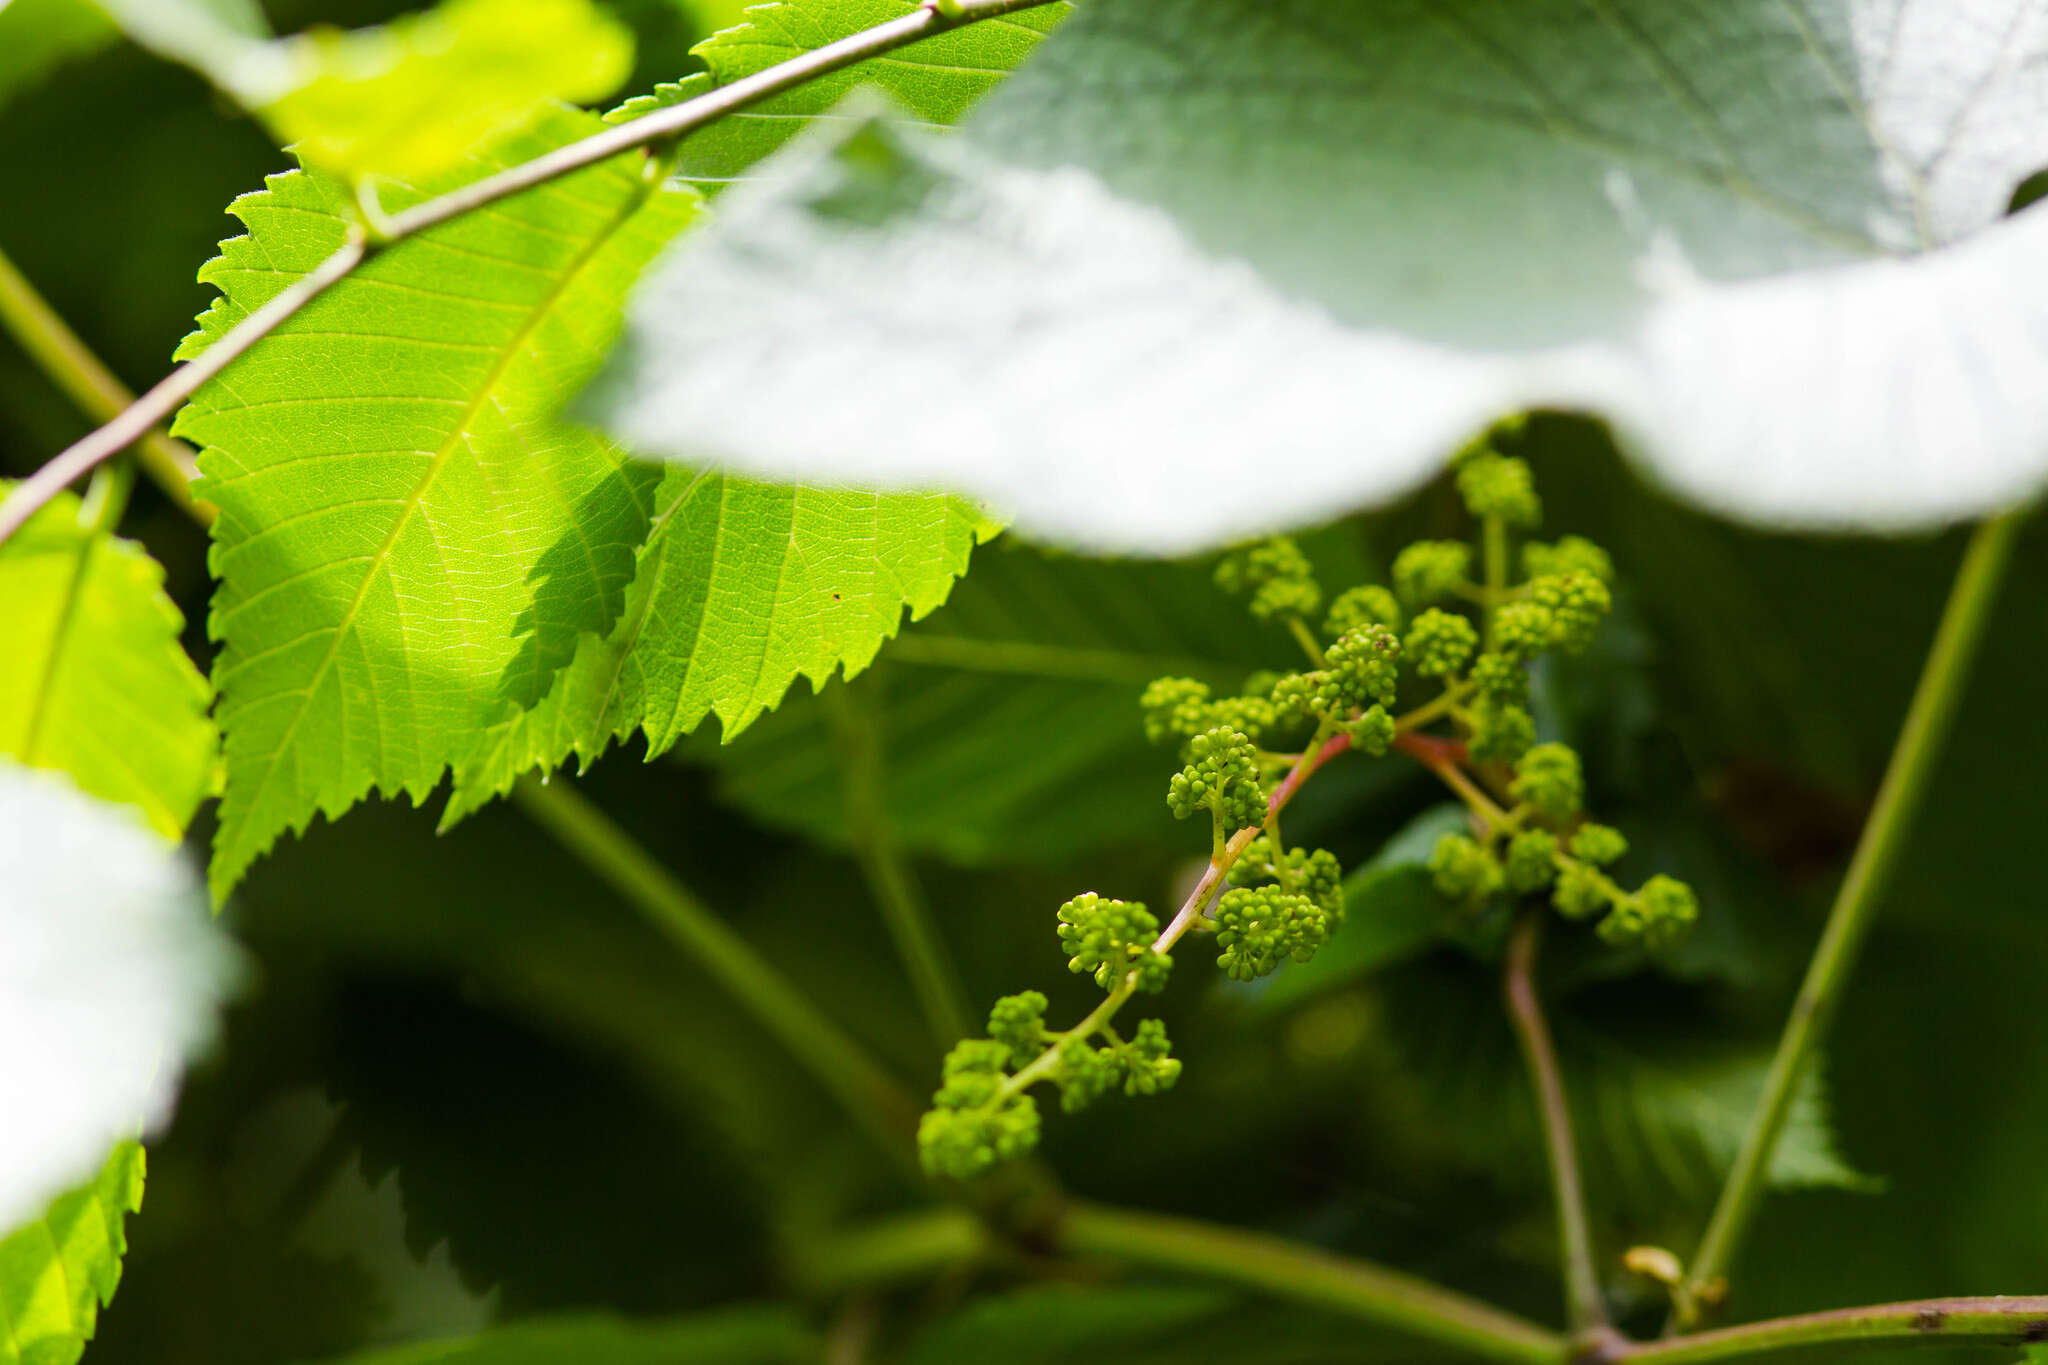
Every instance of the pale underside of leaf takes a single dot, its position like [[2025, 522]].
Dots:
[[1205, 269], [110, 981], [57, 1272], [97, 685], [741, 588], [409, 543]]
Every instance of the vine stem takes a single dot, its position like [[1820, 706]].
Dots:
[[1585, 1309], [1996, 1321], [1287, 1270], [840, 1065], [1899, 796], [155, 406], [856, 731], [75, 370]]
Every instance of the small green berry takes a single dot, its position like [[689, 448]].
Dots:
[[1494, 485], [1501, 733], [1497, 678], [1547, 777], [1147, 1066], [1373, 732], [1570, 554], [1582, 892], [1441, 643], [1464, 870], [1522, 630], [1222, 776], [1599, 844], [1432, 570], [1018, 1023], [1577, 603], [1367, 605], [1111, 938], [1278, 576], [1174, 708], [1361, 668], [1531, 862], [1259, 927]]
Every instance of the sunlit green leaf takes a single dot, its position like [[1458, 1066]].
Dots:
[[408, 543], [96, 684], [936, 79], [1209, 267], [417, 96], [59, 1271], [741, 587]]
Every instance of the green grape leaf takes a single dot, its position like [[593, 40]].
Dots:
[[1009, 722], [1658, 1114], [57, 1272], [414, 98], [740, 588], [37, 36], [936, 78], [735, 1337], [110, 979], [1209, 267], [101, 689], [408, 544]]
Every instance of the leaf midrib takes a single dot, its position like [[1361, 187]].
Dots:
[[500, 364]]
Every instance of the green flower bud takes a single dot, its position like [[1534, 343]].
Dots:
[[1522, 630], [1222, 776], [1259, 927], [1361, 668], [1174, 708], [1110, 938], [1531, 863], [1018, 1023], [1501, 733], [1441, 643], [1148, 1068], [1276, 574], [1464, 870], [1577, 603], [1547, 777], [1582, 892], [1372, 732], [1497, 678], [1432, 570], [1599, 844], [1495, 485], [1571, 554], [1368, 605]]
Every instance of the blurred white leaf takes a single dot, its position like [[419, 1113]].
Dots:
[[1210, 267], [110, 972]]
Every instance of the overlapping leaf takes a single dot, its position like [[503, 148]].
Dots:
[[37, 36], [59, 1271], [937, 78], [741, 587], [408, 543], [1216, 267], [1010, 723], [96, 684]]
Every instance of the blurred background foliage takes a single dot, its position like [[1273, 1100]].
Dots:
[[468, 1085]]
